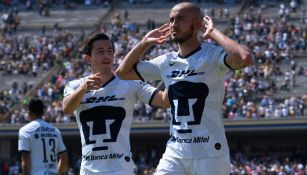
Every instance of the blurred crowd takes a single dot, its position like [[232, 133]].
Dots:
[[10, 21], [253, 92], [259, 91], [267, 165], [32, 55]]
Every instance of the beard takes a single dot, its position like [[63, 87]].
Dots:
[[185, 35]]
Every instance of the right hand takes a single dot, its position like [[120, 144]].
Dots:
[[92, 82], [158, 36], [207, 27]]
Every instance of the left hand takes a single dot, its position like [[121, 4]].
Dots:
[[207, 27]]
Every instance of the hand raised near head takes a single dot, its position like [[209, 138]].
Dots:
[[92, 82], [158, 35], [207, 27]]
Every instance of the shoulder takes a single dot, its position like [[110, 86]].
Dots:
[[74, 83], [28, 128], [169, 55], [166, 56], [163, 60], [131, 83], [212, 49], [47, 124], [208, 46], [51, 126]]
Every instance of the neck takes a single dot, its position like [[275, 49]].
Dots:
[[106, 76], [33, 117], [188, 46]]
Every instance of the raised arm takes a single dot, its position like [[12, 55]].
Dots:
[[126, 69], [71, 102], [238, 56]]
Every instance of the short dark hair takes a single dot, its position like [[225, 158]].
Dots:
[[36, 107], [88, 44]]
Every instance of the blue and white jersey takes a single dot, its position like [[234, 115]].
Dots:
[[44, 142], [104, 119], [196, 90]]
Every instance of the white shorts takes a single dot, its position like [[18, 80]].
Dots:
[[202, 166]]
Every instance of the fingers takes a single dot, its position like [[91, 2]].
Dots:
[[93, 82], [158, 35], [164, 37], [207, 18], [207, 27], [165, 33], [207, 22], [164, 27]]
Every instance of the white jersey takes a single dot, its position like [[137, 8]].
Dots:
[[104, 119], [196, 90], [44, 142]]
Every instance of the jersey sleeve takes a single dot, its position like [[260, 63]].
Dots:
[[149, 70], [61, 145], [219, 54], [145, 92], [71, 87], [23, 141]]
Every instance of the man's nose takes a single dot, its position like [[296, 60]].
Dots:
[[174, 23]]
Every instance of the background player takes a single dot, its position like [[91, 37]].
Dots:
[[103, 105], [41, 144], [194, 78]]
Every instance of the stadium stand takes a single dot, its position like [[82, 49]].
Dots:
[[39, 54]]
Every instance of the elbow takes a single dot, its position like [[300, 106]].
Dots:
[[67, 106], [163, 106], [166, 105], [247, 59], [66, 110]]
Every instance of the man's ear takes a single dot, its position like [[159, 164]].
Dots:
[[197, 24], [87, 58]]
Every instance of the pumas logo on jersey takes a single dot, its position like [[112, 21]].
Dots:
[[181, 73], [101, 99]]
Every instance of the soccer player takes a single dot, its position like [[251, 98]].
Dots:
[[103, 105], [41, 144], [194, 78]]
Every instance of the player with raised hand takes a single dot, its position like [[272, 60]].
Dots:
[[194, 79], [103, 105]]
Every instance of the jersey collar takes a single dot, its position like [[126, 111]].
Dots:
[[194, 51], [111, 79]]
